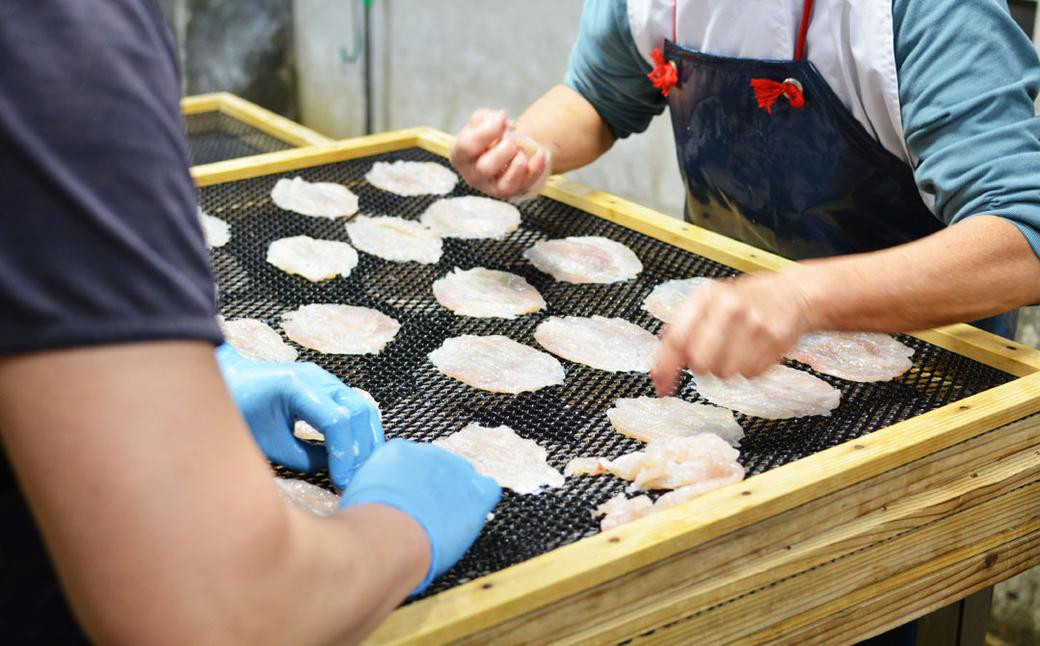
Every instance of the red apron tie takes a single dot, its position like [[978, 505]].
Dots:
[[664, 76]]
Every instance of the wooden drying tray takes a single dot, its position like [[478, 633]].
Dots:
[[832, 548], [277, 126]]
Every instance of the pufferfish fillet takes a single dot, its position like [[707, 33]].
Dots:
[[410, 178], [316, 199], [585, 259], [471, 217], [665, 301], [497, 364], [216, 231], [395, 239], [315, 260], [487, 293], [256, 340], [856, 356], [610, 344], [340, 329], [702, 460], [652, 418], [778, 393], [514, 462]]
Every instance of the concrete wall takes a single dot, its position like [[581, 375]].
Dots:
[[434, 63]]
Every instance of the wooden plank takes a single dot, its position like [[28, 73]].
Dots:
[[201, 103], [273, 124]]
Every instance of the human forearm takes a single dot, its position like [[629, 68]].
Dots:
[[568, 124], [977, 268]]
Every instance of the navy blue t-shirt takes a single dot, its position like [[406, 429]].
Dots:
[[99, 237]]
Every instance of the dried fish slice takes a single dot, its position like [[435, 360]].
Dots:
[[340, 329], [471, 217], [665, 300], [409, 178], [216, 231], [315, 260], [395, 239], [610, 344], [856, 356], [585, 259], [315, 199], [653, 418], [487, 293], [499, 453], [779, 393], [620, 510], [256, 340], [497, 364]]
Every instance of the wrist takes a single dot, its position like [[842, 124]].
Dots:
[[811, 290], [412, 540]]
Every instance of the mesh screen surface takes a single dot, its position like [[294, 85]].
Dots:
[[215, 136], [569, 420]]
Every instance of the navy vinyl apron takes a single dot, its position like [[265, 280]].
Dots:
[[802, 182]]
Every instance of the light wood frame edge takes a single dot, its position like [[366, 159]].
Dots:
[[250, 113], [572, 568]]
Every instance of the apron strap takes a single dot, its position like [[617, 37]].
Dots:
[[799, 50]]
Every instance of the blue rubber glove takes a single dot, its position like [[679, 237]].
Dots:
[[273, 395], [440, 490]]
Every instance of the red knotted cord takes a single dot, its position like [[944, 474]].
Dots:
[[664, 76], [767, 91]]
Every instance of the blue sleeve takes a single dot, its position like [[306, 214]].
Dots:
[[607, 69], [968, 76]]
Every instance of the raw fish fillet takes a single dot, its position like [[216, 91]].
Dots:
[[667, 298], [620, 510], [308, 497], [778, 393], [471, 217], [315, 260], [497, 364], [670, 463], [316, 199], [216, 231], [256, 340], [487, 293], [652, 418], [340, 329], [603, 343], [395, 239], [500, 453], [305, 431], [585, 259], [412, 178], [856, 356]]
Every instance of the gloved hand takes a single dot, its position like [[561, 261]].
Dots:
[[440, 490], [273, 395]]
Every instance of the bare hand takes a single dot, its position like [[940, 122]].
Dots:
[[492, 162], [732, 327]]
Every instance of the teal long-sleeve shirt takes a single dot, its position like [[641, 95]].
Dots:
[[968, 78]]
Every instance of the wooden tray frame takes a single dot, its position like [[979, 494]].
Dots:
[[275, 125], [832, 548]]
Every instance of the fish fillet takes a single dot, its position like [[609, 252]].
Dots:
[[471, 217], [340, 329], [620, 510], [499, 453], [316, 199], [412, 178], [487, 293], [216, 231], [667, 298], [856, 356], [256, 340], [778, 393], [603, 343], [305, 431], [652, 418], [395, 239], [315, 260], [308, 497], [497, 364], [585, 259]]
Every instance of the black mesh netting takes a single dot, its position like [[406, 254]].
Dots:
[[215, 136], [569, 420]]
